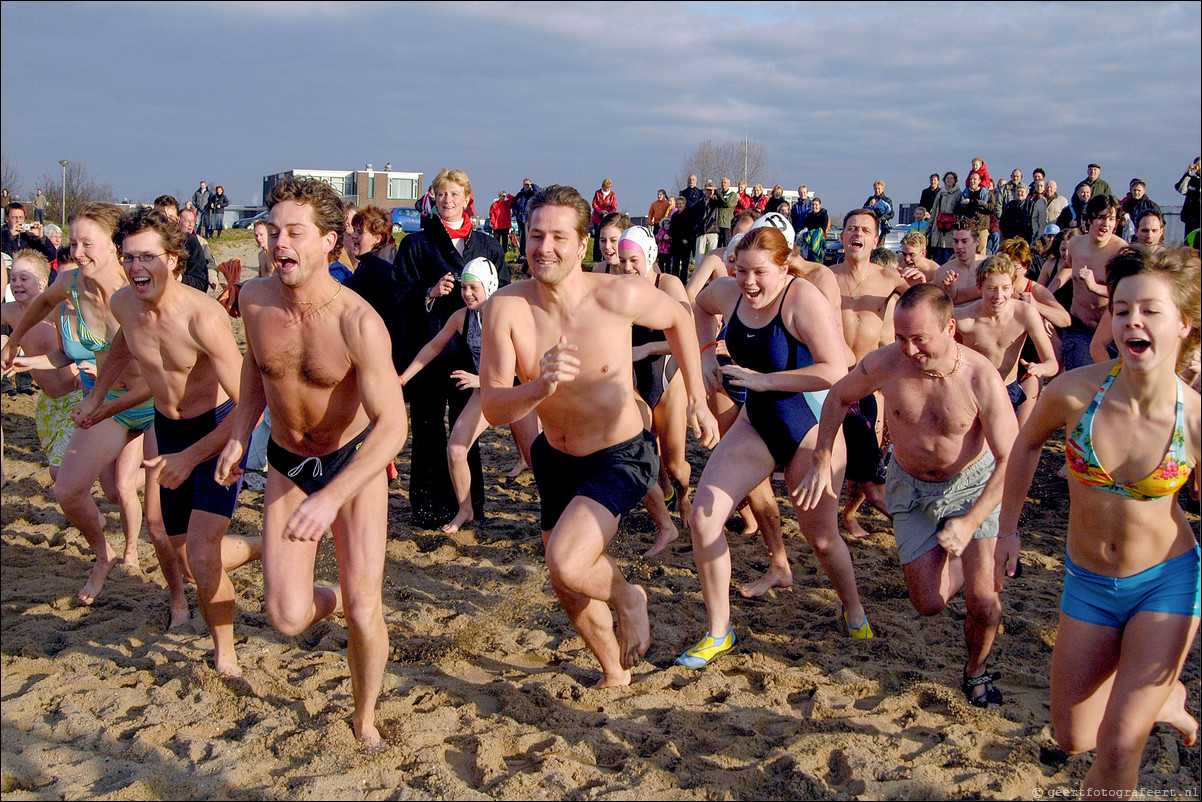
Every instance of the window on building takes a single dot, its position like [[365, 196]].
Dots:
[[402, 188]]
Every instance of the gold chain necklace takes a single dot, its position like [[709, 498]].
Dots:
[[320, 310], [934, 374]]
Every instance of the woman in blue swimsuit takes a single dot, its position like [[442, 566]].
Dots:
[[784, 338], [1130, 607], [110, 449]]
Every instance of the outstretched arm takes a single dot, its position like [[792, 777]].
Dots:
[[434, 347], [35, 313]]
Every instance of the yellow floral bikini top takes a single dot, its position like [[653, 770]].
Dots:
[[1084, 466]]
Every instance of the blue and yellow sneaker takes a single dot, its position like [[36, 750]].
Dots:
[[862, 632], [707, 649]]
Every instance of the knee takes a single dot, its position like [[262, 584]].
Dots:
[[286, 619], [457, 453], [562, 564], [1071, 743], [926, 602], [69, 490], [825, 543], [983, 604], [363, 612]]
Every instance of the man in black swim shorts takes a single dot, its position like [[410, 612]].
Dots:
[[567, 337]]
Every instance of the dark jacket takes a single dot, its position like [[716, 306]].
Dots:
[[521, 203], [1019, 220], [422, 260], [376, 283], [217, 205], [13, 245], [196, 270], [927, 199]]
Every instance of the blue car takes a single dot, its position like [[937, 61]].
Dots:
[[406, 218]]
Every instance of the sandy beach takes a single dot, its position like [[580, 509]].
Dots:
[[487, 689]]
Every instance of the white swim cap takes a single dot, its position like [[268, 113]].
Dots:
[[777, 221], [483, 271], [639, 238]]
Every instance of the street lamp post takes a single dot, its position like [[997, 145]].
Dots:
[[64, 164]]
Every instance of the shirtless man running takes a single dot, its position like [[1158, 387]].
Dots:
[[952, 432], [567, 337], [958, 275], [182, 341], [318, 357], [999, 325], [1087, 258], [865, 290]]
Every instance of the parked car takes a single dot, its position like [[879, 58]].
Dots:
[[834, 246], [249, 222], [406, 218]]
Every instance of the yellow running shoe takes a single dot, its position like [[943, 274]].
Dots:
[[707, 649], [862, 632]]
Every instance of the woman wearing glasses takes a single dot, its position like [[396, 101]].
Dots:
[[107, 445]]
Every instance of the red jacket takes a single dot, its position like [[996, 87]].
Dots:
[[743, 203], [498, 214], [603, 205]]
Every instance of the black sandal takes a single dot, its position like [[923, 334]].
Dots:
[[991, 696]]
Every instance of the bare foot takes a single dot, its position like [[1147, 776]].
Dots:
[[91, 589], [618, 681], [370, 738], [228, 669], [459, 520], [179, 618], [634, 627], [852, 524], [666, 536], [774, 577], [130, 560], [684, 504], [518, 469], [1173, 713]]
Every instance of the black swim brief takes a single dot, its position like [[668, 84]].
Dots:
[[311, 474], [616, 477], [200, 490], [1018, 395], [865, 461]]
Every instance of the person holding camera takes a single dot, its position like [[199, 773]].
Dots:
[[19, 235]]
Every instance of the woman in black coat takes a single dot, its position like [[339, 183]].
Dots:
[[428, 265]]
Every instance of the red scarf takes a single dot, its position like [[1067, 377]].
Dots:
[[462, 231]]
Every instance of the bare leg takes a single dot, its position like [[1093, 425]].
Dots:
[[821, 531], [293, 602], [523, 430], [739, 463], [214, 590], [588, 582], [129, 477], [766, 513], [983, 605], [360, 534], [467, 429], [88, 453], [1109, 686], [671, 432], [855, 497], [170, 552], [666, 531]]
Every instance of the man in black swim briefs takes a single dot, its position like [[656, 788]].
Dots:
[[314, 359], [567, 337]]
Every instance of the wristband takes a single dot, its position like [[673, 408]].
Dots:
[[704, 348], [1008, 534], [402, 378]]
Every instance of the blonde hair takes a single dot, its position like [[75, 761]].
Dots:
[[459, 177], [997, 265]]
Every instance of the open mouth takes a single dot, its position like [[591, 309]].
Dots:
[[1138, 346], [142, 282]]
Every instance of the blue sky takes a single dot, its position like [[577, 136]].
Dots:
[[154, 97]]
